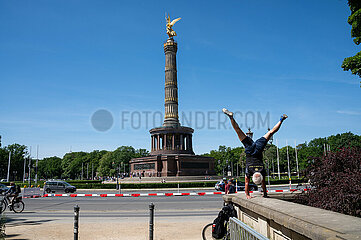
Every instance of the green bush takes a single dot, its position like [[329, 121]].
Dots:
[[144, 185], [72, 182]]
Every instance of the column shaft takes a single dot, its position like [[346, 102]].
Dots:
[[158, 142], [181, 142]]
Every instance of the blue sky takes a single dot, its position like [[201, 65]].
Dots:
[[61, 61]]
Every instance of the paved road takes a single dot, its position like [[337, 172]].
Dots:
[[61, 208]]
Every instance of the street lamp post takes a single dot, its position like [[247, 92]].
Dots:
[[24, 175], [8, 176], [249, 133], [278, 160], [117, 186], [298, 172], [288, 163], [30, 162], [118, 181], [227, 166]]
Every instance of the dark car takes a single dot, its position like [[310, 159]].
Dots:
[[3, 189], [240, 186], [58, 186]]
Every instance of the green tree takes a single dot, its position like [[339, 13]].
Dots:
[[226, 156], [304, 153], [105, 165], [50, 168], [93, 159], [354, 63], [72, 164], [119, 158], [4, 155], [342, 140], [284, 160], [18, 153], [270, 158]]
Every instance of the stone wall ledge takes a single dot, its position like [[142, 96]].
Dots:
[[313, 223]]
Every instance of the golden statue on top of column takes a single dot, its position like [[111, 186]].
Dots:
[[171, 33]]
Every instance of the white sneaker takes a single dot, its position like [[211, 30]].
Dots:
[[228, 113]]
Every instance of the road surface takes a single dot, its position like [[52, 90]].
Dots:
[[110, 217]]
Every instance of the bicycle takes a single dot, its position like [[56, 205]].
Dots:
[[227, 212], [17, 206]]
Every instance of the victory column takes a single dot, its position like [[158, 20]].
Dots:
[[171, 144]]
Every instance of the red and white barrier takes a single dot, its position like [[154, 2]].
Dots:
[[132, 194], [147, 194]]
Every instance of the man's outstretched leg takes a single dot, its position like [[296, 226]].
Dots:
[[235, 126], [270, 133]]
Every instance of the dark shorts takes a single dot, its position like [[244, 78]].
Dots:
[[254, 148], [250, 170]]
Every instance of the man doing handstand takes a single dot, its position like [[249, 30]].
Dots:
[[254, 150]]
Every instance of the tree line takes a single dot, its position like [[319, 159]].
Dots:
[[86, 165], [73, 165], [229, 159]]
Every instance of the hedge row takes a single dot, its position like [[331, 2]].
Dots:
[[83, 181], [145, 185]]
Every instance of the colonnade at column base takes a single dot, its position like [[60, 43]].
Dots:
[[171, 140], [173, 165]]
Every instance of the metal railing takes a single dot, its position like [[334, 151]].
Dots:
[[241, 231]]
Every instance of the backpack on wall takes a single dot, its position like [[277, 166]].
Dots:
[[219, 225], [219, 228], [230, 211]]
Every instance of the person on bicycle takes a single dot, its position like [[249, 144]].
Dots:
[[254, 150], [11, 193]]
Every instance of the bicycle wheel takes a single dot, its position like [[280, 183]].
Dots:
[[207, 232], [18, 207], [3, 205]]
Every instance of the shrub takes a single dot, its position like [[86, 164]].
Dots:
[[336, 182], [144, 185]]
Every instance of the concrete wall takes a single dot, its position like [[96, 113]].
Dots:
[[279, 219]]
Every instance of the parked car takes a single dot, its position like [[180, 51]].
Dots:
[[58, 186], [3, 180], [240, 186], [3, 189]]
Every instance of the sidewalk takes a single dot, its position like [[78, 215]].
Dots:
[[164, 228]]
